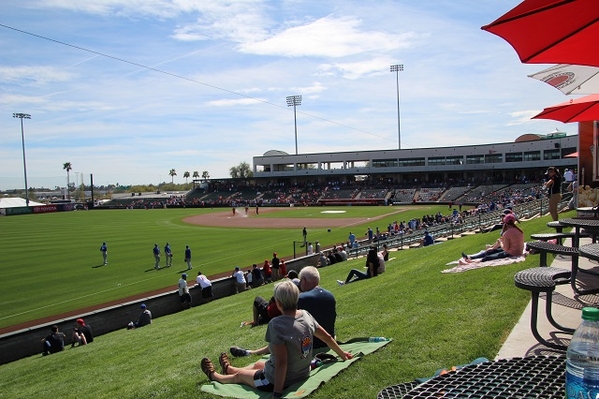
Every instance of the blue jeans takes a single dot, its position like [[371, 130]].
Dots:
[[357, 274], [484, 254]]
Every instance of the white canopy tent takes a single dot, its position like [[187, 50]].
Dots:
[[14, 202]]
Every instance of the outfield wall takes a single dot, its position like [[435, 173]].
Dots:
[[27, 342]]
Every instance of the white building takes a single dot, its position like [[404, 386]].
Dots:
[[526, 156]]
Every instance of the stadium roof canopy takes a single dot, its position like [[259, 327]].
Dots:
[[274, 152], [14, 202]]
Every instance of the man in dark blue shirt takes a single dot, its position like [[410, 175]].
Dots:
[[320, 303], [428, 239]]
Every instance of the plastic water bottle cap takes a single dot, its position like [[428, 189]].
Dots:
[[589, 313]]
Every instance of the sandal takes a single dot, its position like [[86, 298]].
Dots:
[[224, 361], [208, 368]]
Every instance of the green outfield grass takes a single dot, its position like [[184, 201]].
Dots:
[[52, 263], [436, 320]]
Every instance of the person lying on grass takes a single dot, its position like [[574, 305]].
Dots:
[[290, 342], [511, 244]]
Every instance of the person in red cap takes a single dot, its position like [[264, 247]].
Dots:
[[82, 333]]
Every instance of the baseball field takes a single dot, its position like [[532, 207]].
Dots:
[[436, 320], [52, 263]]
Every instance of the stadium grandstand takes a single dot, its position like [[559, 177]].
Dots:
[[490, 173]]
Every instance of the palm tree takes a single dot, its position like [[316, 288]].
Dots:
[[68, 167], [186, 176], [172, 174], [205, 175], [196, 174]]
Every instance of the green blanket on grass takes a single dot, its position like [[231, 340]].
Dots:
[[318, 376]]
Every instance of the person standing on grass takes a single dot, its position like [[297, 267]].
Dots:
[[274, 265], [240, 283], [205, 285], [188, 257], [257, 278], [267, 271], [104, 250], [290, 339], [168, 253], [156, 252], [184, 292], [305, 236]]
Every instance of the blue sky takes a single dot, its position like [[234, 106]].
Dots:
[[220, 71]]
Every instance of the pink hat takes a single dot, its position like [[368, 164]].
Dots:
[[509, 218]]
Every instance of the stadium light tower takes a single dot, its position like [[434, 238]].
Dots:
[[397, 68], [294, 101], [21, 117]]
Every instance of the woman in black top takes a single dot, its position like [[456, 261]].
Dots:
[[554, 184]]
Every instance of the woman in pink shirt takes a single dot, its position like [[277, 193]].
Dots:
[[512, 243]]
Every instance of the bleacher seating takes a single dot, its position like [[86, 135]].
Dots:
[[454, 193], [404, 195], [427, 194]]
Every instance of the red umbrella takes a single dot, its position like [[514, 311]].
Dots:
[[552, 31], [575, 110]]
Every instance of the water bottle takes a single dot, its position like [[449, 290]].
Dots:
[[582, 358], [377, 339]]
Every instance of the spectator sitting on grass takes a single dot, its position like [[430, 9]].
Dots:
[[54, 342], [290, 344], [263, 311], [322, 260], [372, 265], [320, 303], [512, 244], [82, 333], [341, 251], [331, 257], [427, 239], [144, 318]]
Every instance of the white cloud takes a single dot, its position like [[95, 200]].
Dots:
[[326, 37], [359, 69], [234, 102], [522, 117], [314, 88], [33, 74]]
